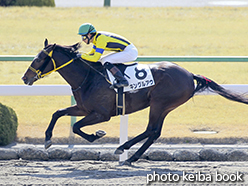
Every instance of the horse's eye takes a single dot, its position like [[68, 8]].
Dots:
[[37, 59]]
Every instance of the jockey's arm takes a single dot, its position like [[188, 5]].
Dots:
[[92, 51], [95, 54]]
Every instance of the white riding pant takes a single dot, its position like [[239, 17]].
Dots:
[[130, 53]]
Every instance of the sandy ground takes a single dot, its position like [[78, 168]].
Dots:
[[23, 172]]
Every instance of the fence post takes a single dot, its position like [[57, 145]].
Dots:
[[73, 120], [123, 136], [106, 3]]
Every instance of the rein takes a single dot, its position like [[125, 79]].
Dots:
[[55, 68], [80, 86], [96, 70], [90, 67]]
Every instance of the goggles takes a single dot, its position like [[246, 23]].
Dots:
[[84, 37]]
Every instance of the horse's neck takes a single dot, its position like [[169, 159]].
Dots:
[[74, 73]]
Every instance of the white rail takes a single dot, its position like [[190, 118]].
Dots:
[[65, 90], [35, 90]]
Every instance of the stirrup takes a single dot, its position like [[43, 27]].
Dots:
[[119, 85]]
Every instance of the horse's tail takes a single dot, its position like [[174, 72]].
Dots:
[[204, 83]]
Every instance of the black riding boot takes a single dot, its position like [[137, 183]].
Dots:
[[121, 80]]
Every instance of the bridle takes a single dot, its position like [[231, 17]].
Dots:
[[39, 71]]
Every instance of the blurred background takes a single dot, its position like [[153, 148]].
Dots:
[[157, 28]]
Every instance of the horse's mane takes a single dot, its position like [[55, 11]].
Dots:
[[70, 50]]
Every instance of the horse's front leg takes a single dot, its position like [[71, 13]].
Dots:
[[70, 111], [91, 119]]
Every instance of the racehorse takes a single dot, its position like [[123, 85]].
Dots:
[[97, 102]]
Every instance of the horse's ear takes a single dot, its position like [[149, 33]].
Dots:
[[54, 45], [76, 46], [45, 42]]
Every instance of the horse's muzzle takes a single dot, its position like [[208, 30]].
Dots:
[[28, 82]]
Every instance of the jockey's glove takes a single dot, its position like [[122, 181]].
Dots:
[[79, 55]]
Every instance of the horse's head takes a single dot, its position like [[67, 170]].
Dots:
[[39, 65]]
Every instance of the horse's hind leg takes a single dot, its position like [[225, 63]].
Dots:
[[127, 145], [154, 134], [152, 131]]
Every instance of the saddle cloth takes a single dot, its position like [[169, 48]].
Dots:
[[138, 75]]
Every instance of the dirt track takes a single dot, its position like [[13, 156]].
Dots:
[[20, 172]]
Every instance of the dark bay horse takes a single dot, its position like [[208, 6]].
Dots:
[[97, 102]]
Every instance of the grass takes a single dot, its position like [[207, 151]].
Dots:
[[155, 31]]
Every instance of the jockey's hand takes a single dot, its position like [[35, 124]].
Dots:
[[79, 55]]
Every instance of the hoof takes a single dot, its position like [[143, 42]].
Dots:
[[118, 151], [126, 163], [48, 144], [100, 133]]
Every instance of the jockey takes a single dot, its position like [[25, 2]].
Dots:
[[123, 51]]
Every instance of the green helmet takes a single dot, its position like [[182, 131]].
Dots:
[[86, 28]]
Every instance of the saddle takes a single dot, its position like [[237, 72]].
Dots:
[[138, 75], [120, 95], [122, 67]]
